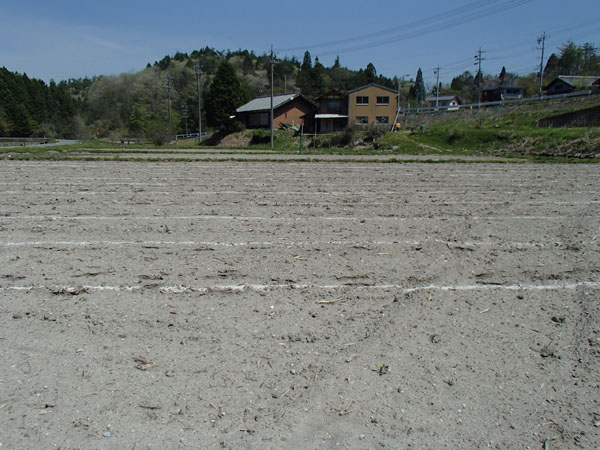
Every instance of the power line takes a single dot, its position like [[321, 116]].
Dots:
[[433, 28], [403, 27], [471, 16]]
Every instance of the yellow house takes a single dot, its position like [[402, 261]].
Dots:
[[372, 105]]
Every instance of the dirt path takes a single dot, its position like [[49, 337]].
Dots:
[[304, 305]]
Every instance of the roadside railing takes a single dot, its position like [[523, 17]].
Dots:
[[501, 102], [11, 141]]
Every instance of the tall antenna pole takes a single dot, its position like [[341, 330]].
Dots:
[[542, 40], [478, 59], [197, 67], [436, 72], [272, 64]]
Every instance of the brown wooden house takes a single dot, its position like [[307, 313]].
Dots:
[[333, 112], [287, 109]]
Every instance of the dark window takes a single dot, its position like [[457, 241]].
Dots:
[[362, 100], [383, 100], [382, 119], [362, 119], [334, 106]]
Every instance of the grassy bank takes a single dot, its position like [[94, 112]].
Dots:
[[509, 132]]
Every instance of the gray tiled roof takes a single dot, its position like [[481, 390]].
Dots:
[[264, 103], [441, 98], [578, 81]]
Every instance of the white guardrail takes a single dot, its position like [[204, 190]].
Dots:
[[501, 102]]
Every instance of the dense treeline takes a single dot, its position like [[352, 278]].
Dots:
[[30, 107], [136, 104], [573, 60]]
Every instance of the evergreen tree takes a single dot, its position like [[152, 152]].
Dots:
[[225, 94], [591, 60], [306, 62], [371, 73], [418, 89], [305, 79], [502, 75], [571, 59], [552, 66]]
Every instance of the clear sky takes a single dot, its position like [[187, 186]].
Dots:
[[63, 39]]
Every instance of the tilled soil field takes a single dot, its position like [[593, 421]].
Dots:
[[299, 305]]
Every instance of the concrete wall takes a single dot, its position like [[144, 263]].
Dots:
[[589, 117]]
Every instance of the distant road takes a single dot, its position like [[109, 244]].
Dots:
[[58, 142]]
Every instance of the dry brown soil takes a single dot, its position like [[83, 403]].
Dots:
[[299, 305]]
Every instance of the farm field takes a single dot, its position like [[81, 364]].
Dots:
[[299, 305]]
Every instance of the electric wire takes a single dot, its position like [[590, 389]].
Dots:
[[471, 16], [403, 27]]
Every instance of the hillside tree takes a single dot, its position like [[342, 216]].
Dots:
[[225, 93]]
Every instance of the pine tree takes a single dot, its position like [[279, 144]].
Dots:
[[502, 75], [371, 73], [225, 94], [418, 91], [552, 66], [306, 62]]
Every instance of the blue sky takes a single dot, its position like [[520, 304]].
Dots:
[[70, 39]]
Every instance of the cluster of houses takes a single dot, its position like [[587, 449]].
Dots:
[[367, 105], [372, 105]]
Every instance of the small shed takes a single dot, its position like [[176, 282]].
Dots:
[[502, 92], [565, 84], [443, 101]]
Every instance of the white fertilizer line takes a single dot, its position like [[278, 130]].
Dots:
[[269, 287], [275, 219], [365, 196], [282, 242]]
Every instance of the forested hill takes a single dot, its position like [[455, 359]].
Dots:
[[30, 107], [136, 104]]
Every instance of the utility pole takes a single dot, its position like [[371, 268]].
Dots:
[[436, 72], [272, 61], [197, 67], [478, 59], [184, 113], [542, 40], [401, 79], [169, 87]]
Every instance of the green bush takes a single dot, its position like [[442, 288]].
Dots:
[[455, 135], [373, 132]]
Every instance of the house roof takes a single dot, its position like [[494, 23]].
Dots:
[[264, 103], [578, 81], [442, 98], [372, 85], [503, 86]]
